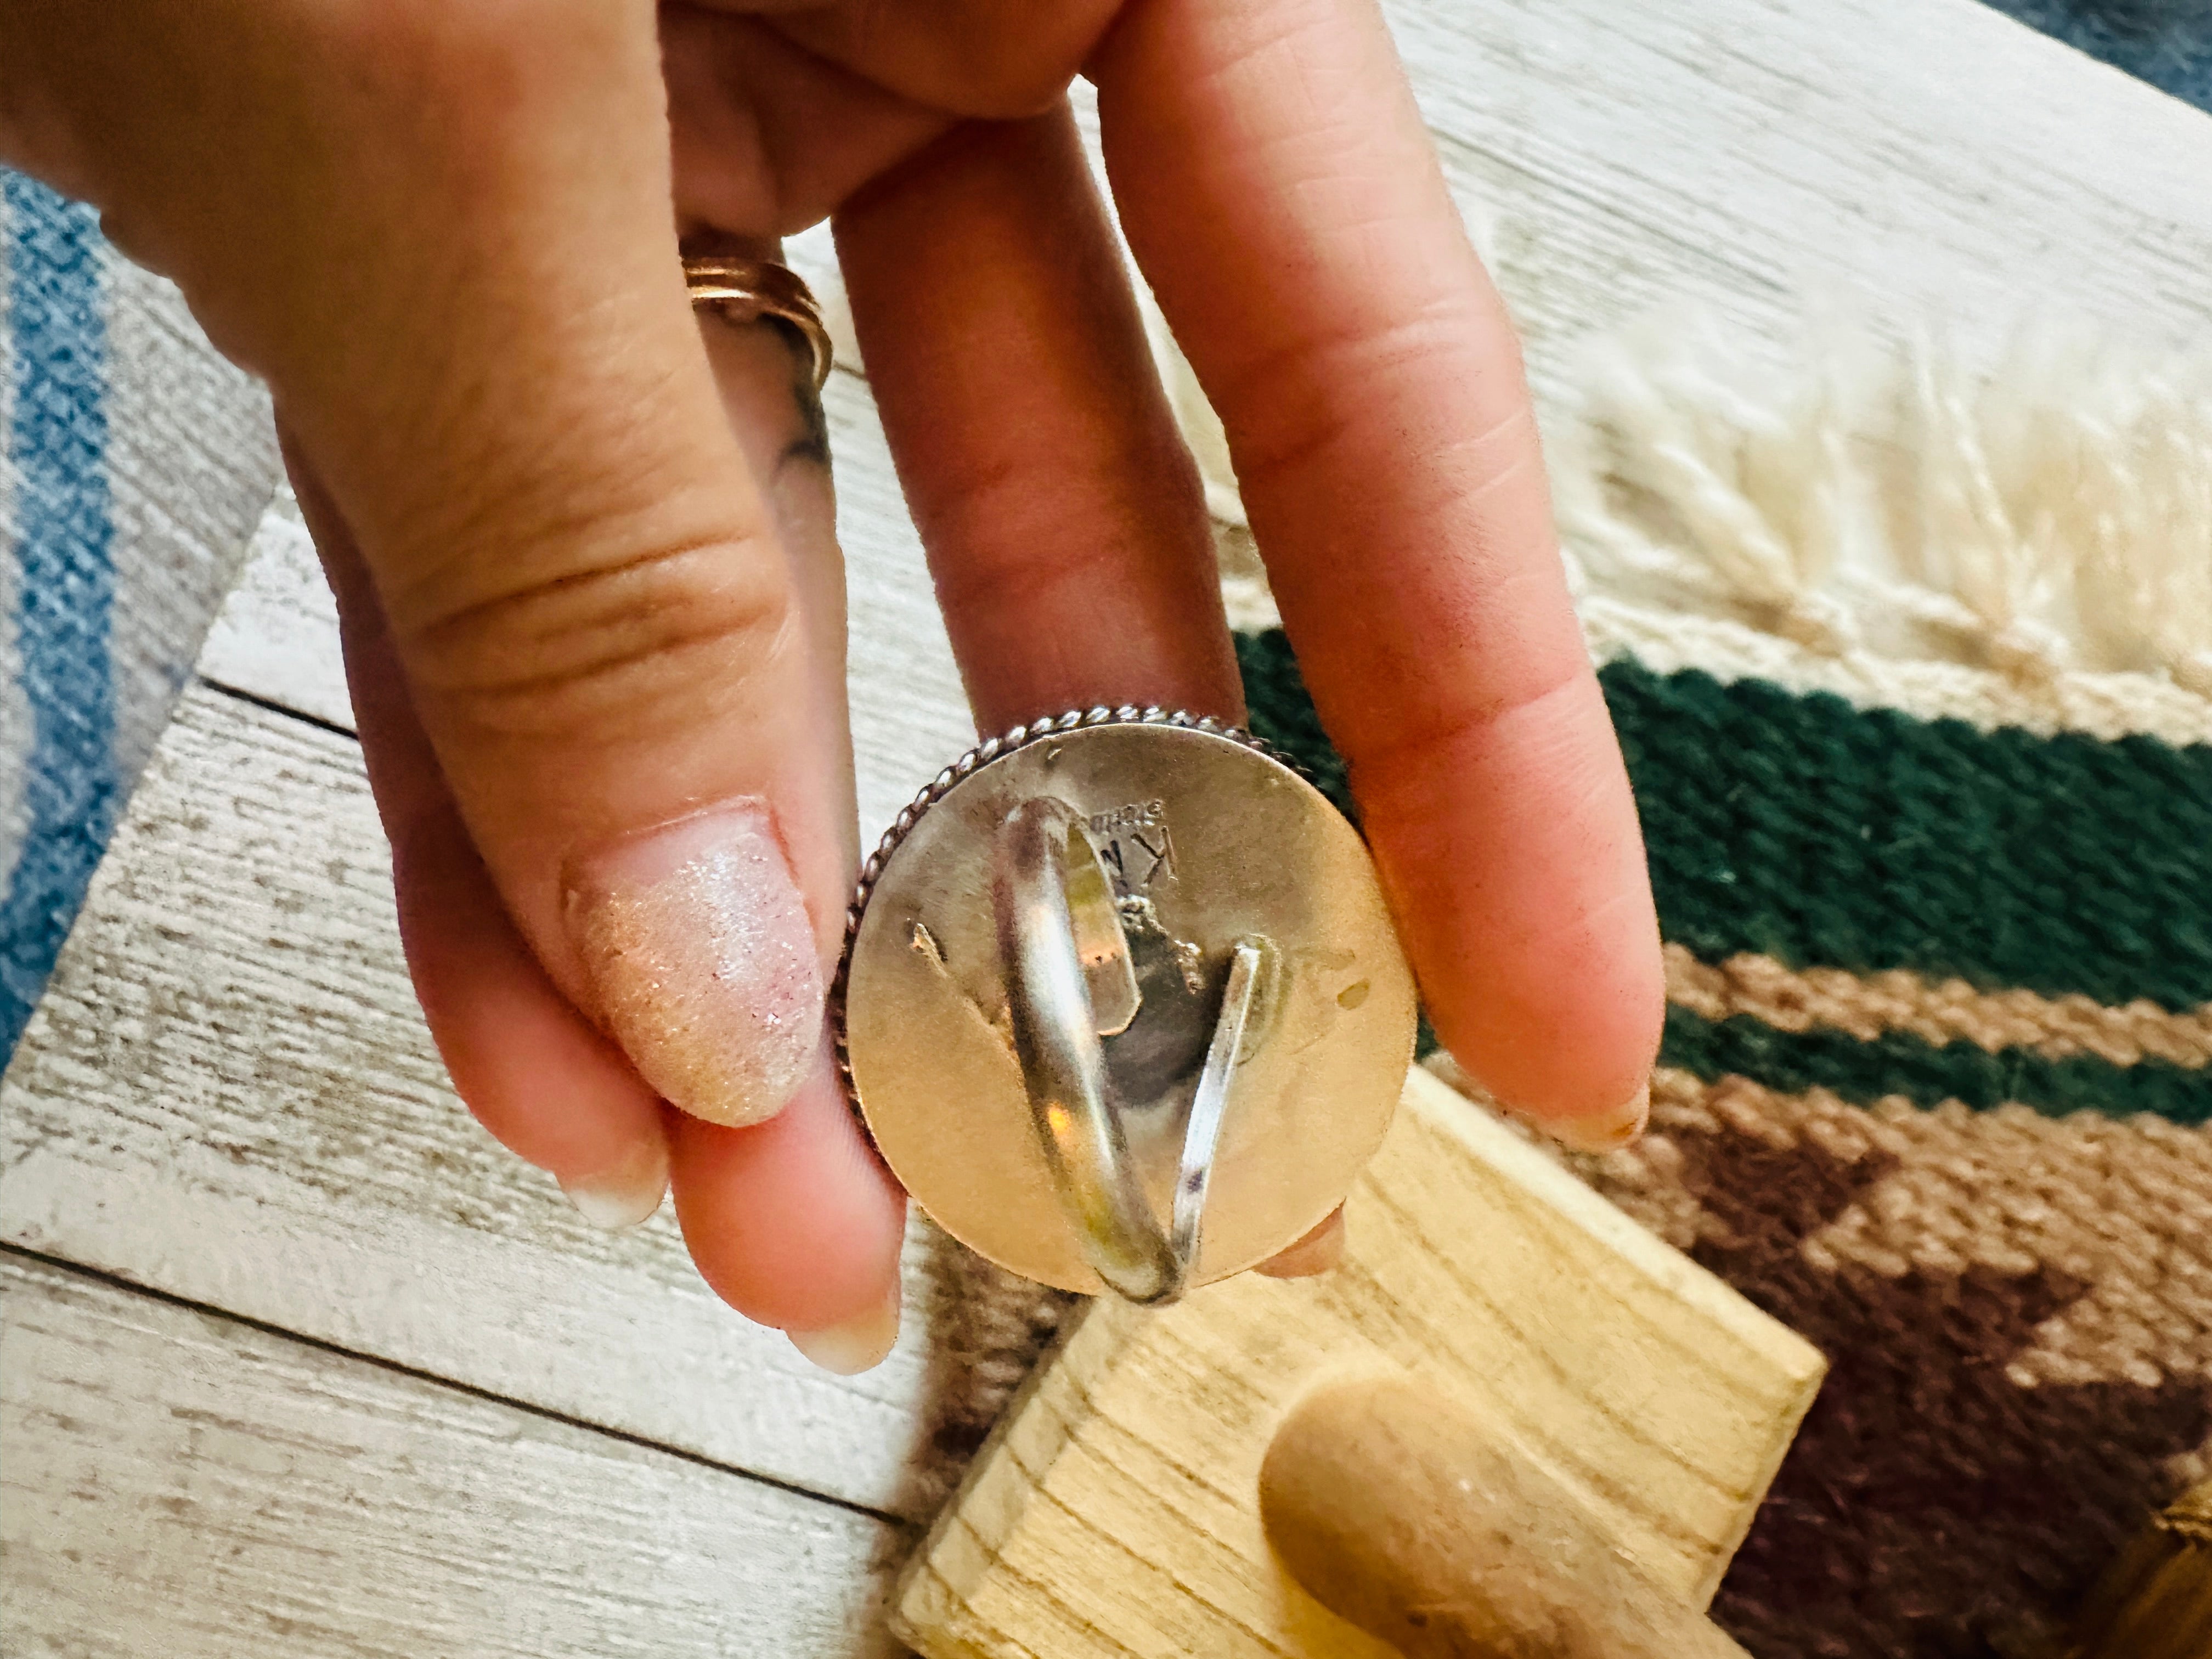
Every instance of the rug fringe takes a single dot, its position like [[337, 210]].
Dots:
[[2051, 514], [2047, 516]]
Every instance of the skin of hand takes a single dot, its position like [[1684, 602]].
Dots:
[[584, 548]]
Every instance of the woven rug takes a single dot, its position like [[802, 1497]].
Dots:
[[1932, 1094]]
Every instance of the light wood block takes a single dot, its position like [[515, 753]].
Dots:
[[1115, 1512], [174, 1483]]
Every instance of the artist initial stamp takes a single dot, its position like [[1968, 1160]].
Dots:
[[1135, 844]]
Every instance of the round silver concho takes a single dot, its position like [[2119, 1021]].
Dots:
[[1121, 1003]]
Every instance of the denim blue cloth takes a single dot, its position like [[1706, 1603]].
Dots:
[[57, 738], [134, 465], [2167, 42]]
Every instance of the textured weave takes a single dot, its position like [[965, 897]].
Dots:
[[134, 465], [60, 523], [2060, 864], [1937, 1042]]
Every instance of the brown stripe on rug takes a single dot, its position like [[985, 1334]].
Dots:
[[1868, 1006]]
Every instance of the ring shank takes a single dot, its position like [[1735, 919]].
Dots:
[[1077, 1118]]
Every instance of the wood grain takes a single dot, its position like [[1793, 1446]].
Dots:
[[276, 635], [1930, 163], [174, 1483], [2155, 1601], [228, 1094], [1116, 1511], [1426, 1525]]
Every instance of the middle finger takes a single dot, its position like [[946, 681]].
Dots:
[[1063, 516]]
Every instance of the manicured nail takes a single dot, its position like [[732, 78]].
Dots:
[[1316, 1253], [1604, 1132], [703, 961], [624, 1196], [860, 1344]]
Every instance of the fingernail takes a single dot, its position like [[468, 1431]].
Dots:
[[1316, 1253], [702, 960], [860, 1344], [624, 1196], [1604, 1132]]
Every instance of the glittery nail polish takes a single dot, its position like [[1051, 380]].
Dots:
[[703, 961]]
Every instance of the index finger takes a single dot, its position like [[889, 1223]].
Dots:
[[1280, 191]]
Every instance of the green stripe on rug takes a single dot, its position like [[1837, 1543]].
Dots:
[[1825, 835], [1899, 1063], [1821, 833], [1283, 713]]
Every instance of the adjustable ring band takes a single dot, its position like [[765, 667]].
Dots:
[[1070, 981], [746, 290], [1044, 870]]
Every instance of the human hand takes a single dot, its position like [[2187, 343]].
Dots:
[[584, 549]]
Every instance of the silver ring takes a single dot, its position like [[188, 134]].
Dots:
[[1071, 981]]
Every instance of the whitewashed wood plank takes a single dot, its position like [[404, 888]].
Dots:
[[175, 1483], [277, 638], [276, 635], [228, 1094], [1926, 162]]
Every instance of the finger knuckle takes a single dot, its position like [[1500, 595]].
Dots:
[[617, 651], [1291, 401]]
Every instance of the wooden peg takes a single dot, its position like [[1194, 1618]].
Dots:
[[1423, 1524]]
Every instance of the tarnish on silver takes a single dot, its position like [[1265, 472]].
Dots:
[[1070, 982]]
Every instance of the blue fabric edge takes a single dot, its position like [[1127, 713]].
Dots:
[[66, 588]]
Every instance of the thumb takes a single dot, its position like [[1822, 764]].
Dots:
[[603, 635]]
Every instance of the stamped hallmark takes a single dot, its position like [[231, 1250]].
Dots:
[[1135, 845]]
